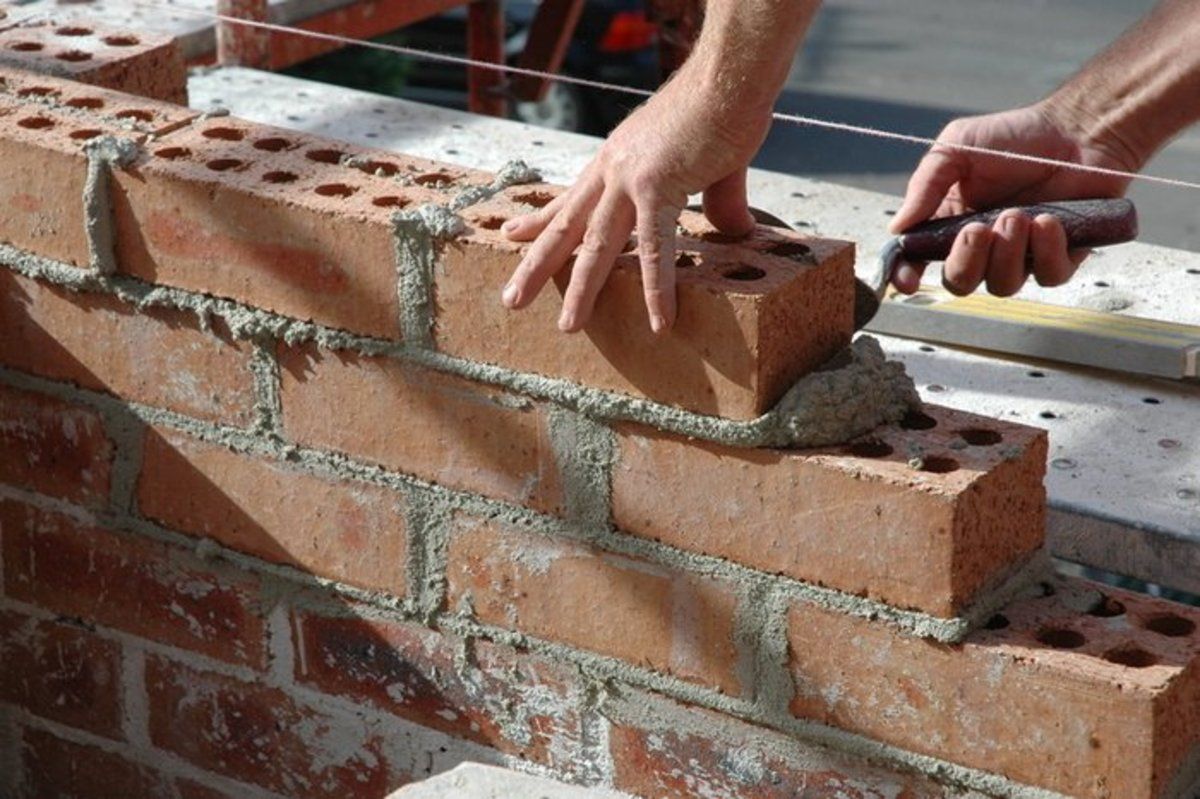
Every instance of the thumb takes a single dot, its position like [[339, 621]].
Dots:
[[726, 206], [931, 181]]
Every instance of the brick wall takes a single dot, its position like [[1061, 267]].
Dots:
[[288, 507]]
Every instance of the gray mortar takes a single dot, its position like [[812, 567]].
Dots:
[[416, 234], [584, 451], [268, 406], [513, 173], [103, 153]]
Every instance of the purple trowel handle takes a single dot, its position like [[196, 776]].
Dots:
[[1088, 223]]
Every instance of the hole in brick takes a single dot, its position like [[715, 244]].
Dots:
[[685, 260], [89, 103], [491, 222], [743, 273], [915, 420], [384, 168], [324, 156], [74, 31], [335, 190], [716, 237], [120, 41], [1132, 656], [37, 91], [939, 464], [433, 179], [224, 134], [1107, 608], [1170, 625], [74, 56], [870, 449], [1061, 639], [1047, 589], [87, 133], [791, 249], [389, 201], [223, 164], [280, 177], [136, 113], [537, 199], [997, 622], [26, 47], [272, 144], [35, 123], [172, 153], [981, 437]]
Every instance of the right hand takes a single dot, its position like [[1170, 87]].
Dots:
[[949, 181]]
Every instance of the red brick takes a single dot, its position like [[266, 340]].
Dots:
[[137, 62], [736, 347], [194, 790], [53, 447], [512, 701], [433, 426], [58, 769], [61, 673], [133, 584], [83, 102], [684, 752], [569, 592], [210, 210], [1066, 692], [261, 735], [345, 531], [155, 356], [858, 518]]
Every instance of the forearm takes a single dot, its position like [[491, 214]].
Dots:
[[1142, 90]]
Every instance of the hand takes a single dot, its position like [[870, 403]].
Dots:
[[686, 139], [949, 182]]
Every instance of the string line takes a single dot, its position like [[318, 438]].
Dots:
[[795, 119]]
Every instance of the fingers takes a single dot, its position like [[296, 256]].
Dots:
[[1006, 271], [558, 237], [530, 226], [656, 251], [931, 181], [607, 232], [907, 277], [967, 263], [1053, 265], [726, 206]]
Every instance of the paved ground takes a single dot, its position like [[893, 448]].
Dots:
[[913, 65]]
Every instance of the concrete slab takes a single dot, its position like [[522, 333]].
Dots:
[[473, 781], [1125, 475]]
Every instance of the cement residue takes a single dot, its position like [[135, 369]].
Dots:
[[103, 153], [513, 173], [584, 452], [416, 236]]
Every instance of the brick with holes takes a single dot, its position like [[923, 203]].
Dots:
[[925, 519]]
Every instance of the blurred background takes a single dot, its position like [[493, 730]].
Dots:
[[906, 65]]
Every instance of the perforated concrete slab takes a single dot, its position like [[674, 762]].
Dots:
[[1124, 481], [473, 781]]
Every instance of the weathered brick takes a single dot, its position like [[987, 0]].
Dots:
[[141, 586], [261, 735], [859, 518], [751, 321], [159, 357], [53, 447], [566, 591], [1068, 690], [271, 218], [665, 750], [137, 62], [58, 769], [83, 102], [513, 701], [61, 673], [343, 530], [433, 426]]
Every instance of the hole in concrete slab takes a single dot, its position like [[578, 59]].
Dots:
[[272, 144], [870, 449], [335, 190], [1170, 625], [87, 133], [434, 179], [280, 177], [997, 622], [382, 168], [793, 250], [1152, 400], [1132, 656], [1107, 608], [743, 273], [35, 123], [120, 41], [1048, 415], [223, 164], [1061, 639], [915, 420], [939, 464], [37, 91], [1036, 374], [390, 201], [71, 30], [172, 153], [136, 113], [980, 437], [325, 156], [74, 56], [537, 199], [26, 47], [88, 103], [685, 260], [491, 222], [224, 134]]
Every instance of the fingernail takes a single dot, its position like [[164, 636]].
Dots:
[[566, 322], [658, 323], [509, 226], [1010, 224], [509, 295]]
